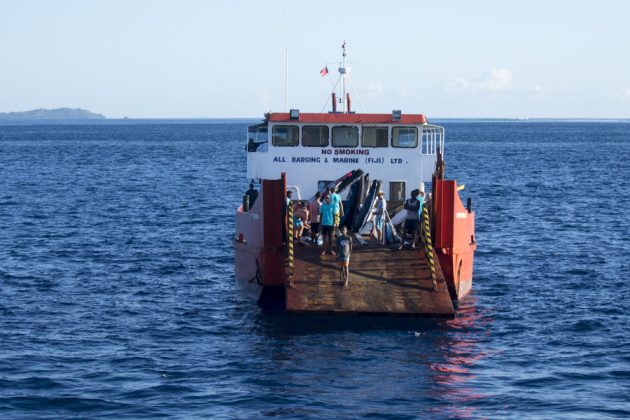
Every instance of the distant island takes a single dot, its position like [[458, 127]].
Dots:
[[51, 114]]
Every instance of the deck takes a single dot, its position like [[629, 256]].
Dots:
[[383, 280]]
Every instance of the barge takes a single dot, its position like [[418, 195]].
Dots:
[[300, 154]]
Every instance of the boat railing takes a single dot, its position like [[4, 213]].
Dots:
[[295, 190], [432, 139]]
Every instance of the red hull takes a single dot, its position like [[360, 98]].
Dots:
[[263, 263], [454, 237]]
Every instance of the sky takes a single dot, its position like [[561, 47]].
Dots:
[[224, 59]]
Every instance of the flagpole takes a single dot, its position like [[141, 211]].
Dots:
[[343, 77]]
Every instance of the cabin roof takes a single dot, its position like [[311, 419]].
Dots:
[[336, 118]]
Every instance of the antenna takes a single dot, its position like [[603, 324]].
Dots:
[[346, 82], [344, 72]]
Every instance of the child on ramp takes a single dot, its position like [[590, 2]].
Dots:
[[344, 249]]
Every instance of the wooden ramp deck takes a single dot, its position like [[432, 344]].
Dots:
[[383, 281]]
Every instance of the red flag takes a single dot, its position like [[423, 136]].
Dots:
[[324, 71]]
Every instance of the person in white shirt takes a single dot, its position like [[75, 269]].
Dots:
[[313, 208], [379, 213]]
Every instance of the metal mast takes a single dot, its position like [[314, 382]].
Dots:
[[344, 72]]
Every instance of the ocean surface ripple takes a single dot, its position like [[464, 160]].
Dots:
[[117, 294]]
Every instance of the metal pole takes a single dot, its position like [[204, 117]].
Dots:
[[343, 77]]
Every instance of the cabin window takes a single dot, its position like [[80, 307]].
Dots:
[[345, 136], [397, 191], [404, 137], [257, 138], [374, 137], [315, 136], [285, 135]]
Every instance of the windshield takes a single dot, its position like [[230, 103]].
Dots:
[[257, 138]]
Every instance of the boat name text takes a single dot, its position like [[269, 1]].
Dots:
[[326, 159], [346, 152]]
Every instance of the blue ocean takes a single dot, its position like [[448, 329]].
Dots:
[[118, 299]]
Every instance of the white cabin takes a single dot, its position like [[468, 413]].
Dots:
[[314, 149]]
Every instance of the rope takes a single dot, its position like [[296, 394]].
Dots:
[[357, 93], [290, 243], [428, 245]]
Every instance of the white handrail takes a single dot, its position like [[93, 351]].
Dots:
[[433, 138]]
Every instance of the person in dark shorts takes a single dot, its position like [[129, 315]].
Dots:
[[412, 205], [313, 208], [327, 214], [421, 200], [344, 249]]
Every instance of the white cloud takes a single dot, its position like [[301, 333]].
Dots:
[[498, 79], [457, 85], [538, 92], [625, 93], [494, 80], [372, 87]]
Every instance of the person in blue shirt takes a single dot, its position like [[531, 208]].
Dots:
[[421, 200], [327, 214], [335, 200]]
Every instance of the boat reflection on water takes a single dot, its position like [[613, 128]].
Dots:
[[459, 353], [421, 366]]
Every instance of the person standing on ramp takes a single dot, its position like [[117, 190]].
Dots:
[[344, 249]]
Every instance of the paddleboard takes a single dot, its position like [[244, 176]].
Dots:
[[367, 228], [366, 209], [399, 217]]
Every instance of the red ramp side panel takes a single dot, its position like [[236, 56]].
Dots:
[[274, 207], [454, 237]]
